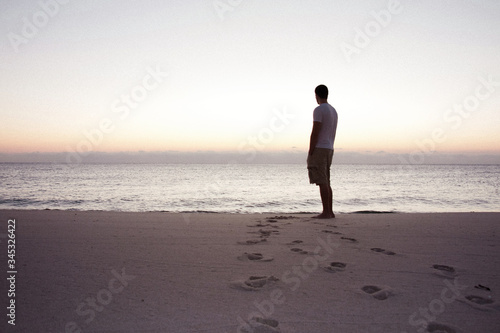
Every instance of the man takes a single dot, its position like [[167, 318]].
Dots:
[[320, 155]]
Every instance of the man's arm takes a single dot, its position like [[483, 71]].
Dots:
[[314, 136]]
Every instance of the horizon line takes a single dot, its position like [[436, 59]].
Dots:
[[251, 157]]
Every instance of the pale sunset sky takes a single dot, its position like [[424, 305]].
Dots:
[[229, 75]]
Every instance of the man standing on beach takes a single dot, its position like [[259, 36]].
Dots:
[[320, 155]]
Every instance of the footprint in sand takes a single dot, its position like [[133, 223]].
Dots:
[[281, 218], [252, 241], [481, 303], [377, 292], [335, 267], [295, 242], [298, 250], [261, 325], [353, 240], [257, 225], [331, 232], [445, 271], [479, 300], [434, 327], [265, 233], [255, 257], [254, 283], [379, 250]]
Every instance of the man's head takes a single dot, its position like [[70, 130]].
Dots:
[[321, 93]]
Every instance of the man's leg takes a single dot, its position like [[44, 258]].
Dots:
[[330, 202], [330, 192], [325, 191]]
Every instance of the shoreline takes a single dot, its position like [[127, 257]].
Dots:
[[360, 212], [105, 271]]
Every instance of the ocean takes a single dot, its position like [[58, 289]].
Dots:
[[272, 188]]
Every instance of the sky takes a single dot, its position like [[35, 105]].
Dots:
[[409, 79]]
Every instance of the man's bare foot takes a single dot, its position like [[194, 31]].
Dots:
[[324, 216]]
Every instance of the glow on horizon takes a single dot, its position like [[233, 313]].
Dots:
[[202, 83]]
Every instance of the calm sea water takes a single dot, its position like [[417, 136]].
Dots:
[[248, 188]]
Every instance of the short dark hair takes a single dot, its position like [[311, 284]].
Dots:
[[321, 91]]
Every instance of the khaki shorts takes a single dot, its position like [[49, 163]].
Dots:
[[318, 166]]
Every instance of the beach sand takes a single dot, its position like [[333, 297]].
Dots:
[[170, 272]]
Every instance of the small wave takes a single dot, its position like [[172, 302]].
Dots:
[[373, 212], [19, 202], [33, 203], [198, 211]]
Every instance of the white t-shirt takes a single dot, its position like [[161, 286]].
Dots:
[[327, 116]]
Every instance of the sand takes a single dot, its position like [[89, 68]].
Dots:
[[167, 272]]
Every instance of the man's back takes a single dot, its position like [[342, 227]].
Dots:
[[328, 117]]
